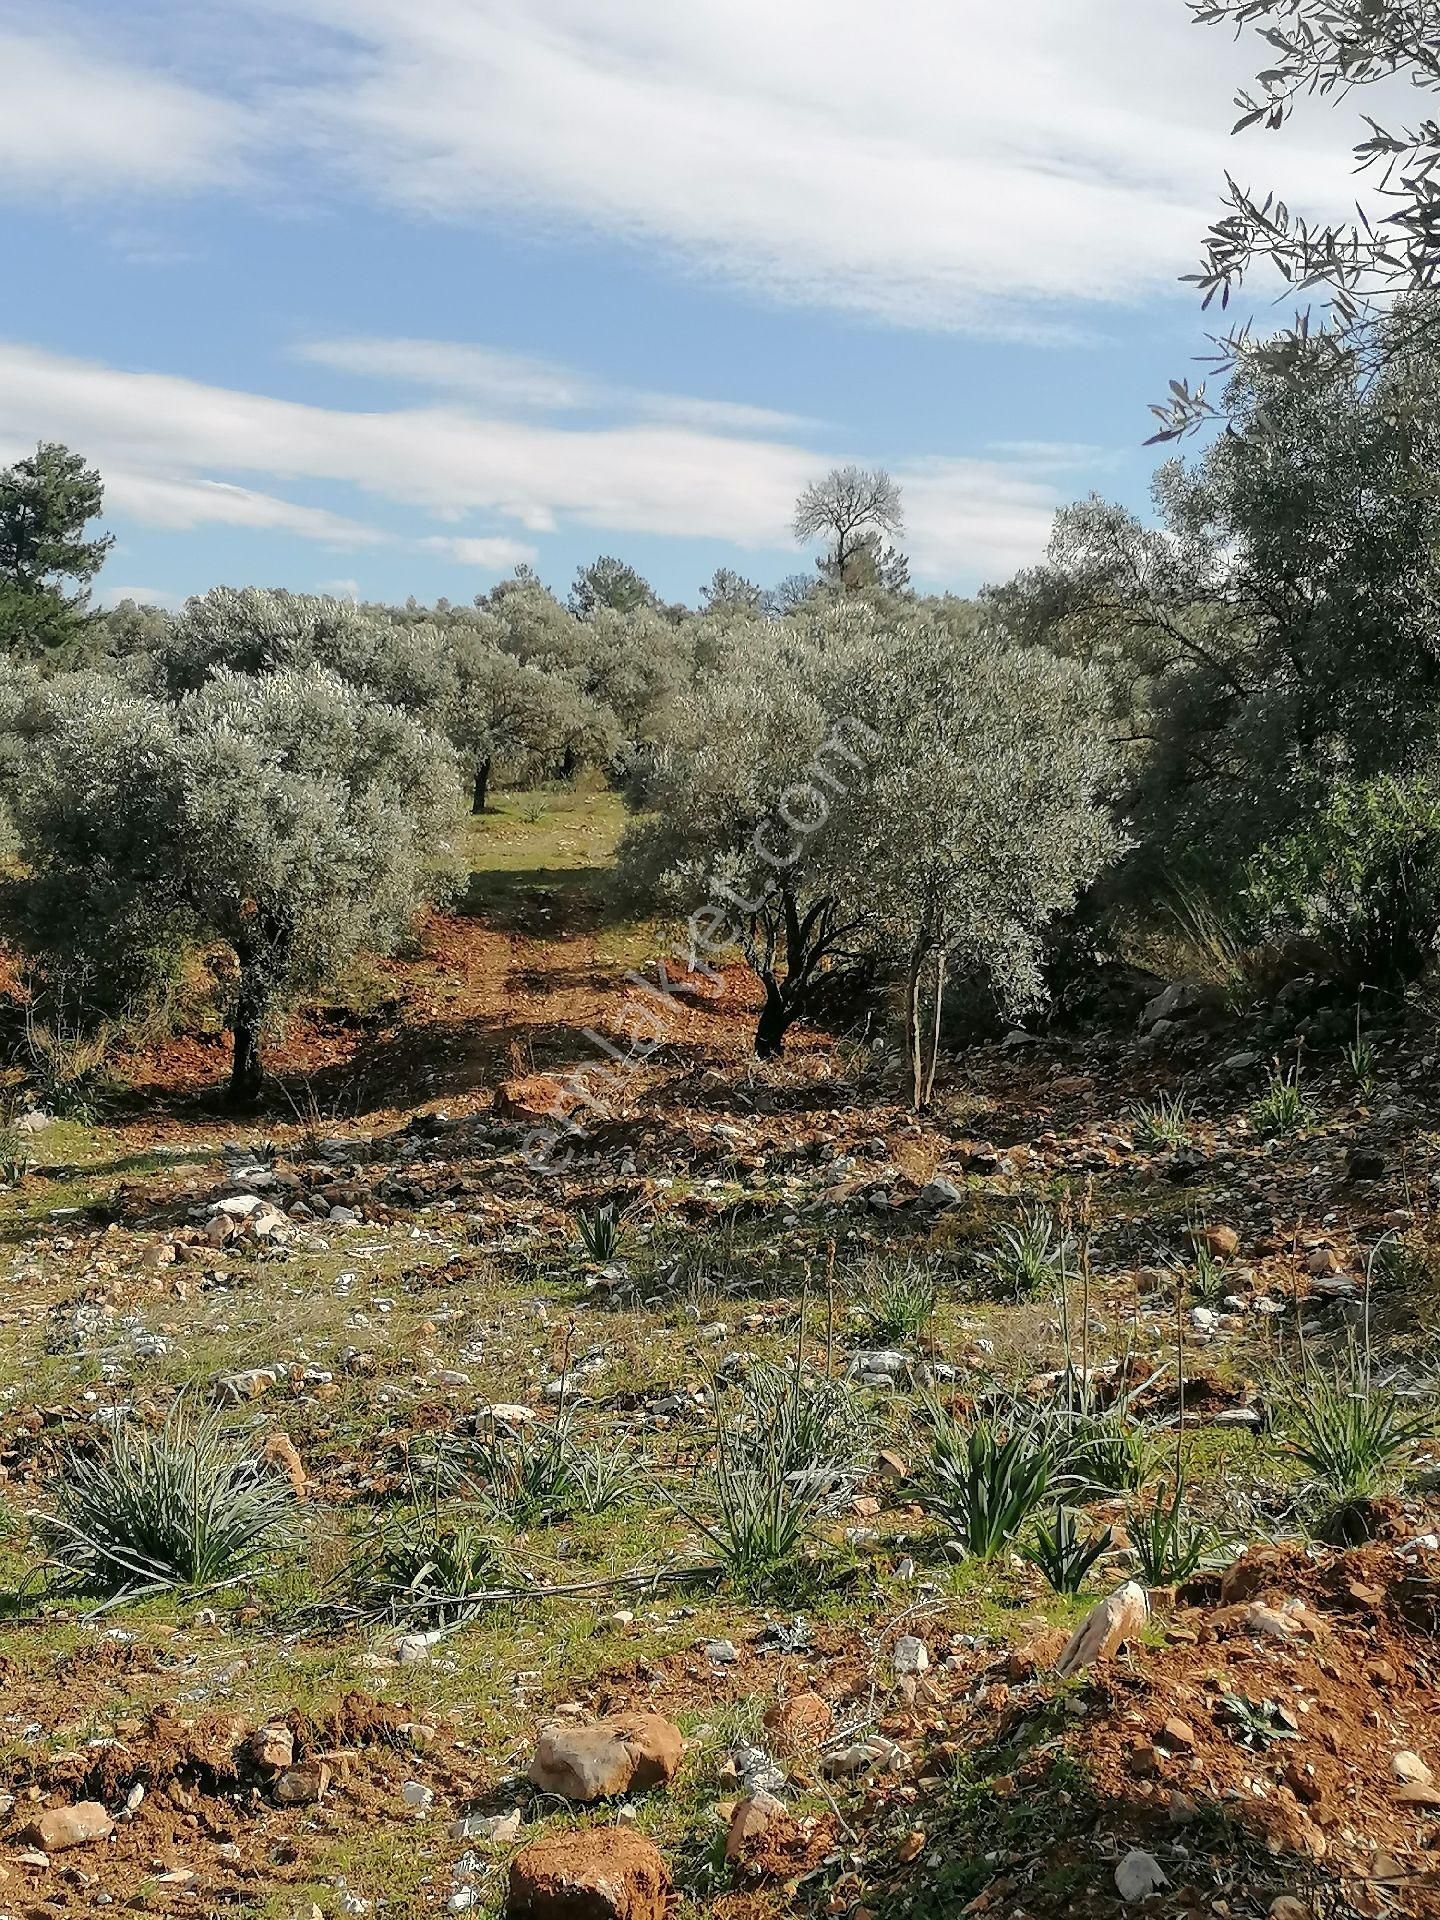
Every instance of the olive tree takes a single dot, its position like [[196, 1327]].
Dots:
[[735, 807], [288, 816], [1332, 49], [1276, 635], [985, 813]]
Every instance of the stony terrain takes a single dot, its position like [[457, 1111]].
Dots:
[[374, 1279]]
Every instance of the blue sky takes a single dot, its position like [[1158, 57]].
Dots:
[[364, 295]]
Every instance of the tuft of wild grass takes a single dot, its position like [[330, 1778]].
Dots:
[[1168, 1546], [793, 1445], [1164, 1122], [531, 1478], [1282, 1109], [1350, 1431], [599, 1232], [190, 1505], [897, 1300], [1064, 1555], [1029, 1256], [433, 1560]]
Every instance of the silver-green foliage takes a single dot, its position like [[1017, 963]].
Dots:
[[189, 1505], [288, 815]]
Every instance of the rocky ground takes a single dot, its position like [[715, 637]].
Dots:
[[376, 1281]]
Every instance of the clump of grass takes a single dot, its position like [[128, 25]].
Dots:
[[1360, 1058], [777, 1465], [1352, 1432], [1164, 1122], [531, 1478], [1282, 1109], [434, 1561], [1208, 1283], [1168, 1545], [808, 1423], [599, 1232], [1064, 1555], [897, 1300], [190, 1505], [983, 1486], [1030, 1256]]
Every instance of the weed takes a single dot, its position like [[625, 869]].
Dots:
[[809, 1423], [1208, 1283], [1168, 1546], [897, 1301], [432, 1560], [1030, 1257], [599, 1233], [188, 1506], [601, 1478], [1282, 1109], [1360, 1058], [984, 1487], [1353, 1433], [1063, 1556], [1257, 1724], [1164, 1122]]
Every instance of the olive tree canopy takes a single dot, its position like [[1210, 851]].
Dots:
[[288, 816]]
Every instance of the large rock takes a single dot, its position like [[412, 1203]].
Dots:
[[535, 1097], [597, 1873], [79, 1826], [1171, 1003], [612, 1757]]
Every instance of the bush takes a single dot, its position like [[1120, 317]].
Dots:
[[188, 1506], [1361, 878]]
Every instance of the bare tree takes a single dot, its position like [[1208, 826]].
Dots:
[[850, 508]]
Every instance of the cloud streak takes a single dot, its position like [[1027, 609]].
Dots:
[[179, 453]]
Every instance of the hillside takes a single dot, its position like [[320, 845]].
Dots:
[[503, 1453]]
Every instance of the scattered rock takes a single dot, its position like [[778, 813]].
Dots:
[[911, 1654], [271, 1748], [1107, 1627], [611, 1758], [595, 1873], [1221, 1242], [302, 1786], [1410, 1770], [60, 1828], [753, 1816], [1139, 1875], [279, 1451]]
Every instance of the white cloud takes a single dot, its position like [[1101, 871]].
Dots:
[[168, 448], [933, 163], [520, 383], [79, 121], [939, 163], [497, 554]]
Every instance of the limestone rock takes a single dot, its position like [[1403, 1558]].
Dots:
[[1108, 1625], [613, 1757], [59, 1828]]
